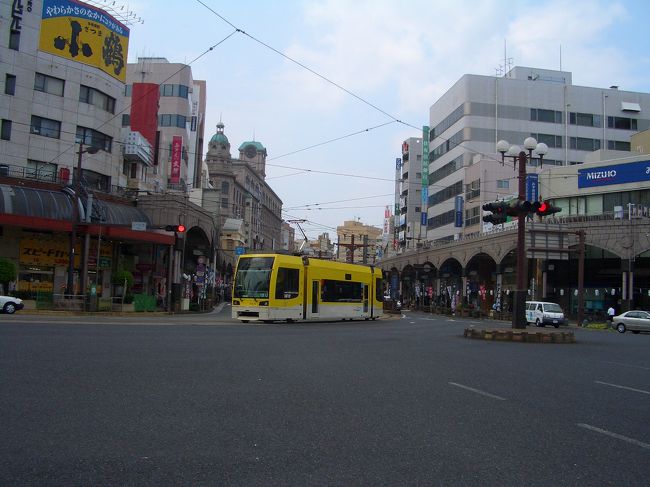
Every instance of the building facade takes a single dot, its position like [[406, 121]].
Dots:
[[74, 176], [164, 103], [408, 206], [478, 111], [239, 186]]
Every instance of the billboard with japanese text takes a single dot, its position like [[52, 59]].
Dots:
[[83, 33]]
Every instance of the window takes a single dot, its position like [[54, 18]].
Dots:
[[287, 284], [126, 120], [45, 127], [341, 291], [225, 187], [622, 123], [5, 131], [48, 84], [14, 40], [473, 190], [93, 138], [180, 91], [10, 84], [224, 202], [128, 90], [42, 171], [441, 220], [503, 184], [97, 98], [618, 145], [172, 120], [582, 143], [584, 119], [541, 115], [549, 139], [473, 216]]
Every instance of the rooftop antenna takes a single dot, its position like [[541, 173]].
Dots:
[[128, 18], [560, 57]]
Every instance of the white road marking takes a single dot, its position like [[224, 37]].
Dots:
[[622, 387], [615, 435], [628, 365], [477, 391]]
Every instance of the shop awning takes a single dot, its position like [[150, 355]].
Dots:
[[44, 209]]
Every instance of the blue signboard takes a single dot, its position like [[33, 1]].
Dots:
[[532, 187], [631, 172], [240, 250], [458, 208], [423, 218]]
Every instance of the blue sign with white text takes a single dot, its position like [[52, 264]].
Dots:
[[532, 187], [458, 208], [631, 172]]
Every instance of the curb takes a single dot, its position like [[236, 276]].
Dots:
[[520, 336]]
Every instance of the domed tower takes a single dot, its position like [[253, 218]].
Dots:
[[219, 147], [254, 153]]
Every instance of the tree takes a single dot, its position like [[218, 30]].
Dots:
[[7, 273]]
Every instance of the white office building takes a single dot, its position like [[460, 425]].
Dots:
[[478, 111]]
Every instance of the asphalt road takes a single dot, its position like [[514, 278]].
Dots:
[[199, 400]]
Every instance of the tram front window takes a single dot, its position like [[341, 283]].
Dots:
[[253, 277]]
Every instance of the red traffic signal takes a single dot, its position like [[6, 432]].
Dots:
[[175, 228], [499, 212], [544, 208]]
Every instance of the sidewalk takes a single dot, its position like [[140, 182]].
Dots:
[[55, 312]]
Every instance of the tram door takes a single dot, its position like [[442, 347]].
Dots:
[[315, 297], [365, 298]]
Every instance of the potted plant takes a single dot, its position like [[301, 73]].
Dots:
[[123, 281]]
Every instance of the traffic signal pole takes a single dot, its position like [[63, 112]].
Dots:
[[519, 298]]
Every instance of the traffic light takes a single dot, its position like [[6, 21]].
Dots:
[[175, 228], [499, 212], [544, 208], [519, 207]]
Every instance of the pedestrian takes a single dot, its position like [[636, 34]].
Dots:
[[610, 314]]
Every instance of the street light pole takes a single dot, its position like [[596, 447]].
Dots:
[[75, 219], [518, 155]]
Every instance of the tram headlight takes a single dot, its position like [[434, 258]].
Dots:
[[264, 303], [235, 302]]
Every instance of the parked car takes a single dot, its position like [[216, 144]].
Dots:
[[9, 304], [635, 321], [541, 313]]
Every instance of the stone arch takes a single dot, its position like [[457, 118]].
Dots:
[[481, 281]]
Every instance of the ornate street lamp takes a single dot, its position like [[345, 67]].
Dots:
[[517, 155]]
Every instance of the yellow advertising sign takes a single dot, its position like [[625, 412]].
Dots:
[[86, 34], [47, 253]]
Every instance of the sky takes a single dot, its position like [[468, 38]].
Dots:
[[331, 88]]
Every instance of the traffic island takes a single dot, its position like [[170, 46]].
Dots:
[[524, 336]]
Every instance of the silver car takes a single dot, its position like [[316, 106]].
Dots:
[[635, 321]]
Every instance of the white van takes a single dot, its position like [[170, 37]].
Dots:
[[540, 313]]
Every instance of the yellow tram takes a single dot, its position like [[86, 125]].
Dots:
[[278, 287]]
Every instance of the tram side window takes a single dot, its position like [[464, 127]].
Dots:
[[287, 283], [341, 291]]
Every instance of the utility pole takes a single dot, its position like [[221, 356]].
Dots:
[[581, 275], [352, 247]]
